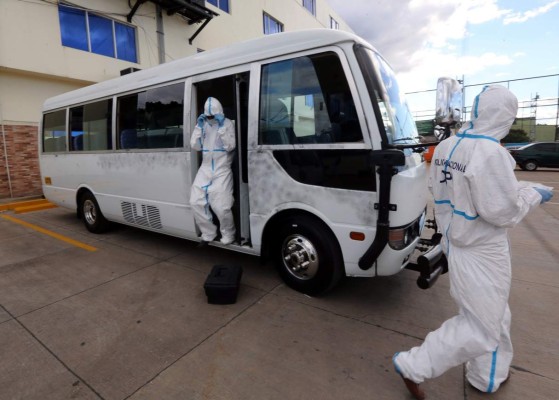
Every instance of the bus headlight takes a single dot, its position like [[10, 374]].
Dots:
[[401, 237]]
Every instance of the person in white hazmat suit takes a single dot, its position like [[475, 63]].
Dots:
[[477, 197], [214, 136]]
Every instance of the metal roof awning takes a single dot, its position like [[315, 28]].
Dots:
[[193, 10]]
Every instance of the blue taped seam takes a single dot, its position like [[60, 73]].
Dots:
[[443, 202], [396, 365], [463, 214], [493, 368], [457, 212], [470, 136], [477, 102]]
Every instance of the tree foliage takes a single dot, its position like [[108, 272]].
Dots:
[[516, 136]]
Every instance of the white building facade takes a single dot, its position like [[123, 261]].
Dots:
[[48, 47]]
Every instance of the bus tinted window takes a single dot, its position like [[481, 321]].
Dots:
[[152, 119], [307, 100], [90, 126], [54, 131]]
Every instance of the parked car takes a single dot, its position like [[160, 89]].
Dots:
[[534, 155]]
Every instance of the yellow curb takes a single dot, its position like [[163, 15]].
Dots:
[[25, 203], [50, 233], [36, 207]]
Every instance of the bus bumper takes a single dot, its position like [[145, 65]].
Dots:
[[431, 264]]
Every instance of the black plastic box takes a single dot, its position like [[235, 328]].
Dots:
[[222, 284]]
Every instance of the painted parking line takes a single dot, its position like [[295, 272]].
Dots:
[[50, 233]]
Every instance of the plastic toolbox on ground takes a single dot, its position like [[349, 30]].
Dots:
[[222, 284]]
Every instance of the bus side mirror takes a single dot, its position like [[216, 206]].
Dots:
[[449, 102]]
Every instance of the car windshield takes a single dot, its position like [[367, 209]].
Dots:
[[396, 116]]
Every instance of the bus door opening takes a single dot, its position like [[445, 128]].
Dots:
[[232, 93]]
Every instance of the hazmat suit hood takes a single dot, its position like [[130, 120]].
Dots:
[[212, 106], [493, 113]]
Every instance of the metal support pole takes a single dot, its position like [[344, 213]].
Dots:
[[160, 34], [199, 30], [557, 115], [6, 154]]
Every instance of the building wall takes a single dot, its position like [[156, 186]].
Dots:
[[35, 66], [542, 133], [21, 149]]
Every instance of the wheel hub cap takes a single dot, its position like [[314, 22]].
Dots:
[[300, 257], [89, 212]]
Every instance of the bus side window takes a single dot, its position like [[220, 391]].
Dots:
[[90, 126], [307, 100], [54, 132], [152, 119]]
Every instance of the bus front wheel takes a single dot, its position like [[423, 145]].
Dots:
[[93, 219], [307, 255]]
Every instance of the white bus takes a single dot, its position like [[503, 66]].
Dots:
[[326, 192]]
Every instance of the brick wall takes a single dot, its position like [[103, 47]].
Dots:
[[23, 163]]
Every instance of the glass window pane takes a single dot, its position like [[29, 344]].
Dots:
[[334, 24], [403, 129], [76, 128], [307, 100], [101, 35], [152, 119], [271, 25], [224, 5], [309, 5], [54, 131], [91, 126], [73, 28], [131, 121], [125, 42], [213, 2], [97, 125], [164, 116]]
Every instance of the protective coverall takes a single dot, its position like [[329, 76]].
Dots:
[[477, 197], [214, 135]]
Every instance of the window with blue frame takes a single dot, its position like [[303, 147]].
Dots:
[[272, 25], [310, 5], [85, 31], [221, 4]]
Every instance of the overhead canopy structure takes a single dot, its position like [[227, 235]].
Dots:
[[193, 10]]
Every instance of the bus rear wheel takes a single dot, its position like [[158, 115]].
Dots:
[[92, 216], [307, 255]]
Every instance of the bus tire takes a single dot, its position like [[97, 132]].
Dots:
[[91, 214], [307, 255]]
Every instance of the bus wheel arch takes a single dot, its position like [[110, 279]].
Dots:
[[305, 251], [90, 212]]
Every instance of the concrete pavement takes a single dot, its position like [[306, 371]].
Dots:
[[130, 321]]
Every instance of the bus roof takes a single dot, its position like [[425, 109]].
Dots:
[[236, 54]]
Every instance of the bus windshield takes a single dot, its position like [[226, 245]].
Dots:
[[396, 116]]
